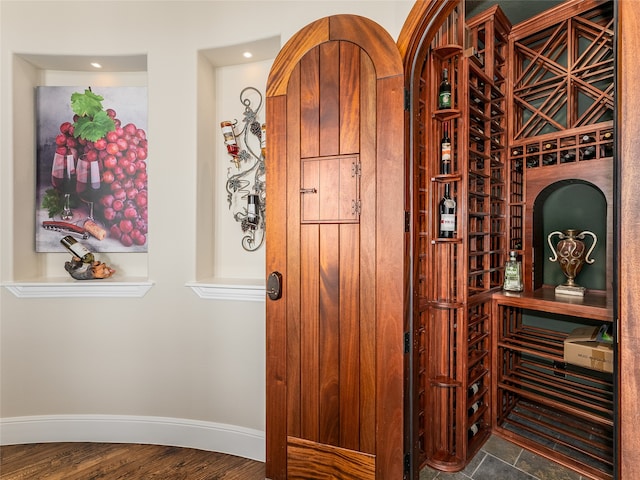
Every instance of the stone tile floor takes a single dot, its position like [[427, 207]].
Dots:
[[502, 460]]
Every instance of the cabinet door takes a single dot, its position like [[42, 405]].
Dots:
[[335, 231]]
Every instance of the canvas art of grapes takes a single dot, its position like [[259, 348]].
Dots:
[[92, 156]]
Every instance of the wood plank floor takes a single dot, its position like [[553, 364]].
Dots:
[[105, 461]]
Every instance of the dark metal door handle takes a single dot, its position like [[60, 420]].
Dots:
[[274, 285]]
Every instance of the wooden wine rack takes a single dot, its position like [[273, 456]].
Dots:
[[561, 111], [454, 278], [561, 412]]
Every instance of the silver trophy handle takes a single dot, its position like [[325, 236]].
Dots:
[[595, 240], [555, 254]]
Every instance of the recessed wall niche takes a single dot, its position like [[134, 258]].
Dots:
[[572, 205], [222, 74], [29, 72]]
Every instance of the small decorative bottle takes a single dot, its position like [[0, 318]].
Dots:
[[513, 274], [77, 249]]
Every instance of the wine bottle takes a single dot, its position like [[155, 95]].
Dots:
[[445, 150], [252, 209], [550, 157], [607, 150], [532, 156], [447, 214], [230, 138], [77, 249], [568, 156], [474, 408], [512, 274], [588, 152], [473, 431], [473, 389], [444, 92]]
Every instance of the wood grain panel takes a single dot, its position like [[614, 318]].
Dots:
[[312, 191], [293, 278], [310, 331], [276, 260], [349, 98], [329, 98], [349, 189], [340, 261], [329, 189], [350, 336], [368, 252], [296, 47], [390, 243], [310, 104], [309, 460], [329, 337], [629, 233], [370, 37]]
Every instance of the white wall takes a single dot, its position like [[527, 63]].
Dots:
[[169, 354]]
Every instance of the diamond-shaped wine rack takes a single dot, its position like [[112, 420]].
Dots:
[[564, 75]]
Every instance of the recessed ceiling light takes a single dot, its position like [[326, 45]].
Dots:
[[96, 65], [247, 54]]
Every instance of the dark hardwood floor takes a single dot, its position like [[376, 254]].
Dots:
[[105, 461]]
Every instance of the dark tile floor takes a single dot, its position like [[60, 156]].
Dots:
[[502, 460]]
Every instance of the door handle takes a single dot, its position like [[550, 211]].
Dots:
[[274, 285]]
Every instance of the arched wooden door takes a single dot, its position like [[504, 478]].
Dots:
[[336, 234]]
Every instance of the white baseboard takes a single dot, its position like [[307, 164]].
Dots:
[[215, 437]]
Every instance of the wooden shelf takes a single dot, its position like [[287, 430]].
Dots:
[[594, 305]]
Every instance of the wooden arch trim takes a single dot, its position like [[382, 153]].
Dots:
[[362, 31]]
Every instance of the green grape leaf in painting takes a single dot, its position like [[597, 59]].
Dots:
[[92, 122], [93, 128]]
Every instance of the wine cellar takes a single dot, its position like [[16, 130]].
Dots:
[[531, 112], [510, 139]]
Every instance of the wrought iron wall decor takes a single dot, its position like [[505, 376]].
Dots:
[[246, 178]]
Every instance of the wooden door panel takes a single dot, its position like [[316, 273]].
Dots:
[[329, 98], [368, 253], [309, 122], [292, 408], [309, 326], [329, 338], [313, 460], [349, 337], [349, 98], [330, 189], [335, 370], [278, 393]]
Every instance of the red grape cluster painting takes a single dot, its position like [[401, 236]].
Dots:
[[92, 158]]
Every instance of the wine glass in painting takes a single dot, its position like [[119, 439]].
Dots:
[[63, 179], [88, 182]]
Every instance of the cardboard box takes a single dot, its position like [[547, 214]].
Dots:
[[581, 347]]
